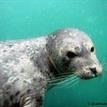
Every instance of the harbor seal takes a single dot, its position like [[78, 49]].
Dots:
[[26, 66]]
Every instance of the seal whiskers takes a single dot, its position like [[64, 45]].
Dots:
[[60, 78], [73, 84], [69, 82]]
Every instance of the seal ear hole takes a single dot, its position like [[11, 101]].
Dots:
[[70, 54], [92, 49]]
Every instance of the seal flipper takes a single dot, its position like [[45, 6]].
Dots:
[[31, 101]]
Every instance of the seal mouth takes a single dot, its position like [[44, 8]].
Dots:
[[88, 77], [89, 72]]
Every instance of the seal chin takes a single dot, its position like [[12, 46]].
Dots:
[[86, 77]]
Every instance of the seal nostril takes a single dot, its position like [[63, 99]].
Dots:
[[94, 71]]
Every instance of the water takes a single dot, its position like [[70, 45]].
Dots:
[[30, 18]]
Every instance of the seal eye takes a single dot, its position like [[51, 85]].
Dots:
[[92, 49], [70, 54]]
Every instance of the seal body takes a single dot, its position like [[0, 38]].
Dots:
[[26, 66], [21, 77]]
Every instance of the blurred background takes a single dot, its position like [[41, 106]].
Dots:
[[22, 19]]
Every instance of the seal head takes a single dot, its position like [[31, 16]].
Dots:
[[73, 52]]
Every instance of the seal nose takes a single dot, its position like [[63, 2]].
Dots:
[[94, 71]]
